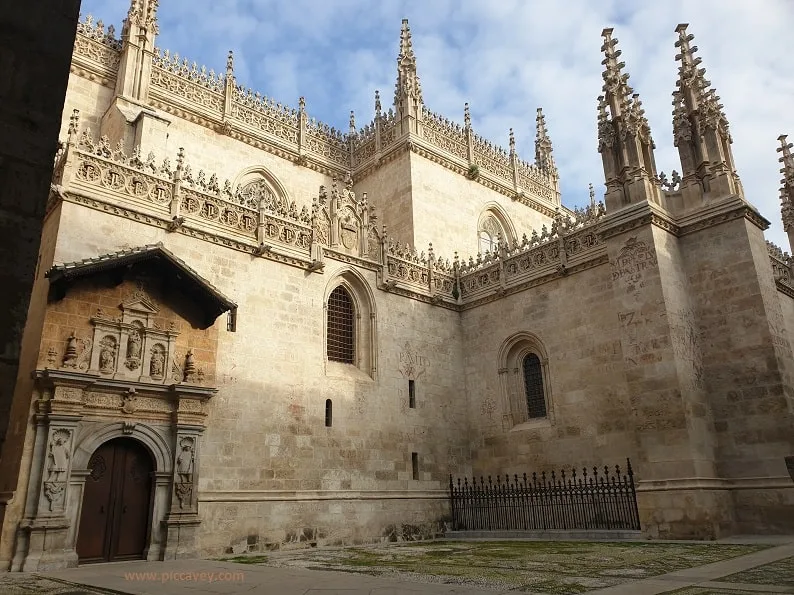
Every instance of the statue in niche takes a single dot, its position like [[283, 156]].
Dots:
[[184, 462], [134, 346], [184, 469], [157, 364], [58, 456], [107, 355]]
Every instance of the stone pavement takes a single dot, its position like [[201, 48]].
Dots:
[[196, 577]]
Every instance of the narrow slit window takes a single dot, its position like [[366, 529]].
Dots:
[[329, 413], [412, 394], [533, 387], [341, 327], [415, 465]]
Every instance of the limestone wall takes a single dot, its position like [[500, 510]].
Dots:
[[575, 320], [447, 207], [266, 431], [747, 355], [390, 190]]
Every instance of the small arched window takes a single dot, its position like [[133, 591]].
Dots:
[[341, 327], [533, 387], [329, 413], [525, 381]]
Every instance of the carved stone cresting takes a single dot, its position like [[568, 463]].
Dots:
[[57, 472], [132, 347], [342, 221]]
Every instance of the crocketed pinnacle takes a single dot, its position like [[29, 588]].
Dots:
[[617, 91], [407, 78], [543, 148], [142, 14], [695, 90], [786, 183]]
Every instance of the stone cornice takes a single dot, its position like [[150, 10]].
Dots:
[[50, 378], [314, 495], [715, 483], [714, 214], [645, 213], [185, 229]]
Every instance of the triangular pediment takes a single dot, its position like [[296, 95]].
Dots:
[[139, 304]]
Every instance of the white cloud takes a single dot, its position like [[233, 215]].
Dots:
[[506, 58]]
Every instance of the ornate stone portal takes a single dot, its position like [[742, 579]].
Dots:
[[126, 380]]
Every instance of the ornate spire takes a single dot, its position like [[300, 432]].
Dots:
[[543, 149], [786, 183], [624, 136], [135, 62], [377, 102], [142, 15], [700, 128], [466, 116], [512, 143], [352, 123], [408, 90], [230, 65]]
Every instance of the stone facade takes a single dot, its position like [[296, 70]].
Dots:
[[195, 233]]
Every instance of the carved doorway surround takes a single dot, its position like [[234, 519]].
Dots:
[[116, 508], [80, 415]]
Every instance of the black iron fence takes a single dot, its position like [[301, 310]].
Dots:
[[602, 499]]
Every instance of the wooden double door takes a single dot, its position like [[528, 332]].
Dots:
[[116, 510]]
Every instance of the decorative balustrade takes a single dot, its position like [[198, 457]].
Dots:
[[172, 64], [187, 85], [571, 239], [201, 195], [98, 45], [781, 264], [98, 32], [491, 158], [444, 134]]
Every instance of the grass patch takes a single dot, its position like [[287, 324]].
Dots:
[[257, 559], [539, 566]]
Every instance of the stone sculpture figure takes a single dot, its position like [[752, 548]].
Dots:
[[58, 456], [107, 356], [157, 365]]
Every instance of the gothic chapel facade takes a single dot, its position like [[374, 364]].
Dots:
[[249, 328]]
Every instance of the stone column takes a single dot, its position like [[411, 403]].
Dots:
[[182, 521], [45, 524]]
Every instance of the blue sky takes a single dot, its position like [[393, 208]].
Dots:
[[506, 58]]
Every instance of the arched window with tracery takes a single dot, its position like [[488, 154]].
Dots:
[[533, 386], [490, 234], [341, 327]]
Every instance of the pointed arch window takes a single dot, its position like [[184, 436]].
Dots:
[[525, 382], [490, 234], [341, 327], [533, 387]]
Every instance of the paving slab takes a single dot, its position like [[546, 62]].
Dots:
[[193, 577], [752, 573]]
